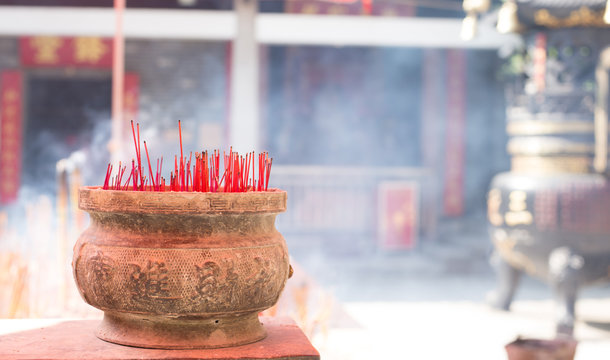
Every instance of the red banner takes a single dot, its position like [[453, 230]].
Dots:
[[131, 100], [398, 215], [455, 136], [349, 7], [540, 62], [54, 51], [332, 8], [431, 107], [10, 134], [131, 86]]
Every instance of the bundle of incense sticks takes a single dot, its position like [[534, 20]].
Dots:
[[239, 173]]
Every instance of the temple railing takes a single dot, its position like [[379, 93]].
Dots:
[[349, 200]]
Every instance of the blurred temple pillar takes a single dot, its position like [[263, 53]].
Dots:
[[244, 103], [432, 124]]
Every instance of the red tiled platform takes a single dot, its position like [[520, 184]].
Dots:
[[71, 340]]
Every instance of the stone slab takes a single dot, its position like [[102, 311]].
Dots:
[[72, 340]]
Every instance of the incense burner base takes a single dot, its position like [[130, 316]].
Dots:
[[191, 333]]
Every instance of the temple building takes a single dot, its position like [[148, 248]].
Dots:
[[424, 112], [410, 140]]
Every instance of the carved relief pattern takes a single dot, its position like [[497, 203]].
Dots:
[[545, 210], [99, 272], [180, 281], [208, 276], [261, 280], [150, 282]]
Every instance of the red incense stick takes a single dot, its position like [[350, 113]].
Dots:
[[201, 175]]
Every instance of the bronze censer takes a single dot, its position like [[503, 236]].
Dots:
[[548, 215], [181, 270]]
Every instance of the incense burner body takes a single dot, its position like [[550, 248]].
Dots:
[[181, 270], [545, 225], [548, 215], [553, 227]]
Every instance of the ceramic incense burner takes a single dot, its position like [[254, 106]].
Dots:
[[181, 270]]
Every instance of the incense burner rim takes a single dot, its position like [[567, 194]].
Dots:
[[96, 199]]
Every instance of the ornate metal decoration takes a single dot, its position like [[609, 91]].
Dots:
[[581, 17]]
